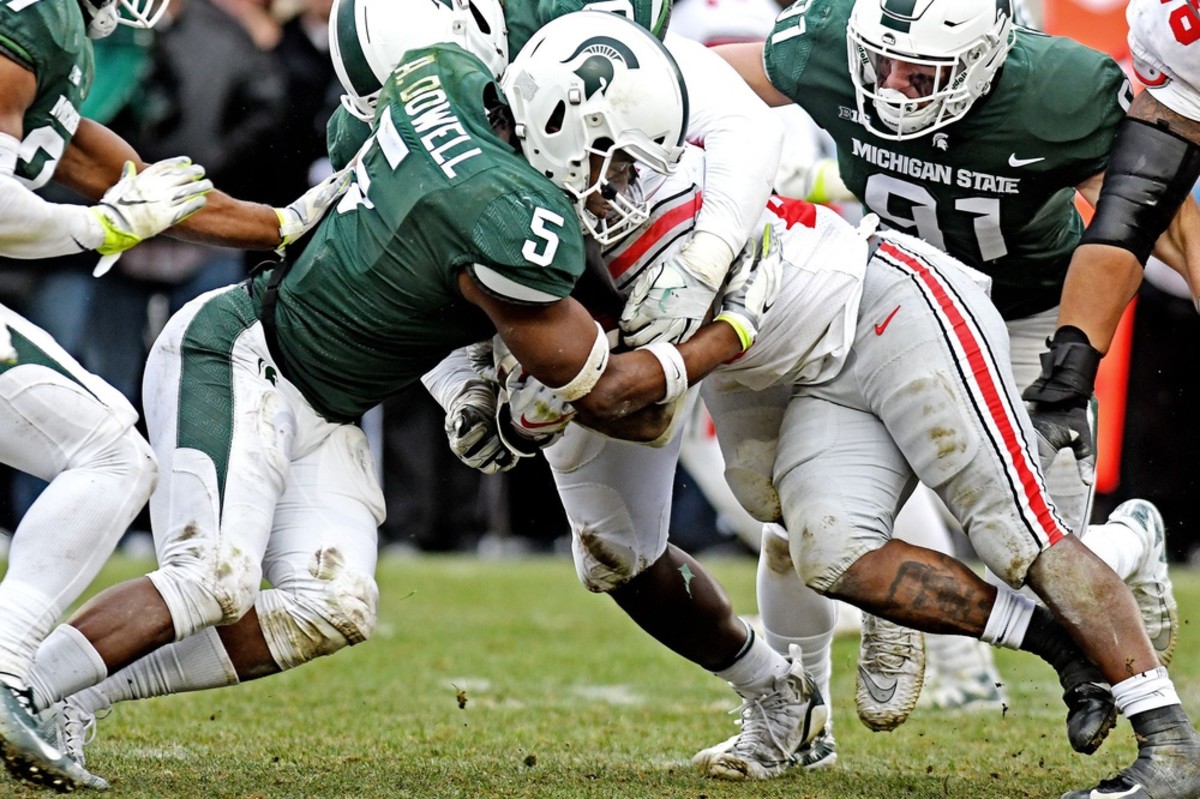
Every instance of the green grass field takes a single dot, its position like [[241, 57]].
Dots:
[[564, 697]]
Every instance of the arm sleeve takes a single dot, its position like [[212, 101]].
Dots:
[[741, 138], [30, 227], [445, 381]]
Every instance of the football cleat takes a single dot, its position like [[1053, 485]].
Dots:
[[1091, 715], [1150, 583], [69, 727], [775, 727], [1167, 765], [891, 670], [26, 755], [819, 753]]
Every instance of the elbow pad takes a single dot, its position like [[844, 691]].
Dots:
[[1150, 173]]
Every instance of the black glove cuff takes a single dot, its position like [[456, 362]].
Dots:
[[520, 445], [1068, 370]]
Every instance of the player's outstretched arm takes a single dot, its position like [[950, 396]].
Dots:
[[94, 161], [747, 60]]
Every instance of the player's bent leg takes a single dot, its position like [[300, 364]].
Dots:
[[322, 554]]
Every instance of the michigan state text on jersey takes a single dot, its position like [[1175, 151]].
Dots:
[[996, 188]]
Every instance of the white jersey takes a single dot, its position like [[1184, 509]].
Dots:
[[806, 335], [713, 22], [1164, 38]]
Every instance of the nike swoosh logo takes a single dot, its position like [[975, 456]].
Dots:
[[1134, 791], [879, 693], [1163, 639], [882, 326], [1014, 161], [531, 425]]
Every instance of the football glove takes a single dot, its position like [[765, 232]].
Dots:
[[143, 204], [753, 286], [306, 211], [1060, 401], [671, 299], [531, 416], [471, 429]]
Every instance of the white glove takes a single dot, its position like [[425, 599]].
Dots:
[[529, 416], [306, 211], [753, 286], [142, 205], [471, 429], [672, 298]]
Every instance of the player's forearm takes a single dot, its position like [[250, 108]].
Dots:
[[635, 380], [1100, 282], [229, 222]]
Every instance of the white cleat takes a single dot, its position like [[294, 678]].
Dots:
[[776, 726], [27, 755], [68, 727], [891, 670], [1150, 582]]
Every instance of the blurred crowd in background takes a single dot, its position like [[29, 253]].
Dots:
[[245, 88]]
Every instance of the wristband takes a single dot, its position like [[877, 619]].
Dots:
[[674, 370], [740, 326], [589, 375]]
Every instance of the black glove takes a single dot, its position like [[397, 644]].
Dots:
[[1060, 400]]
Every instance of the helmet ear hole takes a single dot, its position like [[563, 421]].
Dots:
[[554, 122]]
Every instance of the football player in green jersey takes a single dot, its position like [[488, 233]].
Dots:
[[937, 140], [463, 220], [60, 422]]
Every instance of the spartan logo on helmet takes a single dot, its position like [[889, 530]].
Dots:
[[597, 70]]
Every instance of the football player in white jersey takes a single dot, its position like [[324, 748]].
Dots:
[[58, 421], [882, 362], [1155, 163]]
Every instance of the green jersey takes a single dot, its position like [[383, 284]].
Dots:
[[372, 303], [50, 39], [995, 189]]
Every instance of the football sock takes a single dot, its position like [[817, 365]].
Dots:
[[1149, 690], [66, 662], [193, 664], [757, 668], [1010, 619]]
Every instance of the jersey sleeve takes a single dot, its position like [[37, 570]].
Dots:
[[345, 135], [1078, 119], [798, 30], [531, 247]]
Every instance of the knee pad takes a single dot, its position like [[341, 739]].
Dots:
[[825, 544], [318, 613], [605, 563], [755, 492], [136, 461], [204, 588]]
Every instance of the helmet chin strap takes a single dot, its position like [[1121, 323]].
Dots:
[[101, 19]]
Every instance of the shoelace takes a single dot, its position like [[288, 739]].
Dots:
[[80, 729], [890, 648], [756, 723]]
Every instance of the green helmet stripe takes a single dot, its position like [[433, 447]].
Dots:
[[659, 25], [354, 61], [898, 14]]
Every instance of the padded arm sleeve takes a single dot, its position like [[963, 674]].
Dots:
[[30, 227]]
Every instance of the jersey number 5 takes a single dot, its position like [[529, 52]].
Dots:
[[540, 250]]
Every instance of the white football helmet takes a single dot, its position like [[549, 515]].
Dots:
[[103, 16], [368, 38], [592, 82], [965, 41]]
